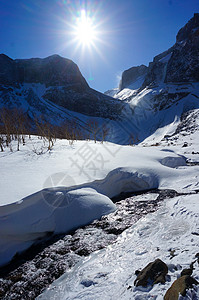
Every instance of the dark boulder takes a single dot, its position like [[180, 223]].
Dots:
[[153, 273], [180, 286], [186, 272]]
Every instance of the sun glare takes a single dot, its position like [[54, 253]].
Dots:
[[84, 30], [85, 34]]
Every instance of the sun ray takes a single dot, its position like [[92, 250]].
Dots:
[[84, 30], [86, 33]]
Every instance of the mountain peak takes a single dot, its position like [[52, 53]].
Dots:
[[190, 29], [53, 70], [131, 76]]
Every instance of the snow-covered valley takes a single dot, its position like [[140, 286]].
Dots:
[[65, 177], [99, 194], [36, 211]]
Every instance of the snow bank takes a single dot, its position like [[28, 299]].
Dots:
[[126, 180], [84, 193], [48, 211], [24, 172], [110, 273]]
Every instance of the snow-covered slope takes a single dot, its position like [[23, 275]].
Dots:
[[65, 182], [110, 273], [168, 88], [170, 234], [41, 83]]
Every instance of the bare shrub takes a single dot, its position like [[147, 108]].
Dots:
[[94, 129], [105, 131]]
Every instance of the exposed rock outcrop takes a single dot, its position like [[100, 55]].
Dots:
[[157, 69], [54, 79], [180, 286], [153, 273], [51, 71], [180, 63], [131, 75], [184, 63]]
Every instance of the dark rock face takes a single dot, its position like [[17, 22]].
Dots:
[[180, 63], [189, 29], [63, 83], [51, 71], [131, 75], [153, 273], [7, 70], [184, 63], [86, 101], [157, 69], [180, 286]]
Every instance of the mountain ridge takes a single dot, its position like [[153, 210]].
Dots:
[[148, 100], [170, 87], [61, 81]]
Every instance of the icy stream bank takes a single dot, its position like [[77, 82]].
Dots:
[[30, 273]]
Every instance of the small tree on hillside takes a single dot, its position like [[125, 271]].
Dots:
[[93, 128], [7, 124], [105, 131]]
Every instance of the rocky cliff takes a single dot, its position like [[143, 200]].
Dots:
[[180, 63], [169, 89], [55, 79], [51, 71], [132, 75]]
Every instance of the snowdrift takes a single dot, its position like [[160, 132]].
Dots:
[[60, 209], [48, 211], [110, 273]]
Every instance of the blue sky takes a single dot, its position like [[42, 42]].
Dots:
[[131, 32]]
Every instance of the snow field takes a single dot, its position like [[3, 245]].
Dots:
[[59, 191], [48, 211], [109, 273]]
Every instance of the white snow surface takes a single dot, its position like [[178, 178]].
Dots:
[[94, 164], [110, 273], [71, 186], [174, 228], [48, 211]]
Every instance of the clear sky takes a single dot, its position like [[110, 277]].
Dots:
[[125, 33]]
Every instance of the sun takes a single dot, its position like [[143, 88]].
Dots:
[[84, 30]]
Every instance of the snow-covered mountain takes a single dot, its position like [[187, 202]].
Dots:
[[46, 86], [45, 193], [167, 89], [149, 100]]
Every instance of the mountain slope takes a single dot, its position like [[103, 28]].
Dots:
[[169, 89], [36, 81], [149, 100]]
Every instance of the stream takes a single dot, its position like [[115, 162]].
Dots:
[[31, 272]]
